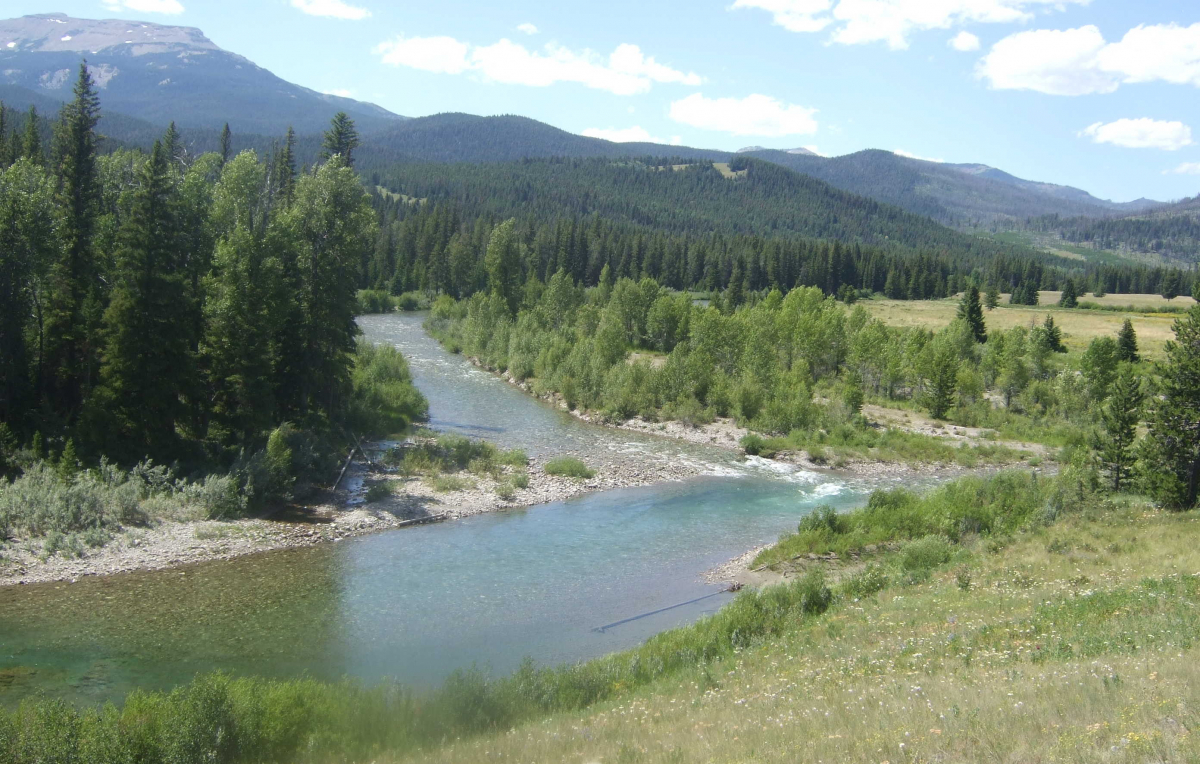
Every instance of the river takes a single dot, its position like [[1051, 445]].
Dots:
[[415, 604]]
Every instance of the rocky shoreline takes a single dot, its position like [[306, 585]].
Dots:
[[337, 516]]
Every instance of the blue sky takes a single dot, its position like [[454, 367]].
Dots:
[[1100, 94]]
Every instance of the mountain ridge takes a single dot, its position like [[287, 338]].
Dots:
[[162, 73]]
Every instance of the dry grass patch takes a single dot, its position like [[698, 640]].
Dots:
[[1079, 327]]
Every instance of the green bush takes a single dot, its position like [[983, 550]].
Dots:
[[870, 580], [375, 301], [384, 400], [568, 466], [380, 491], [815, 595], [918, 558]]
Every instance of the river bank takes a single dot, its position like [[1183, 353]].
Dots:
[[333, 516]]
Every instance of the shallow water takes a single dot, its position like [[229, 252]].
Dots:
[[417, 603]]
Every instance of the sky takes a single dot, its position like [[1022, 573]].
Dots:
[[1099, 94]]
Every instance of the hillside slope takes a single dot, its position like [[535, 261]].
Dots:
[[163, 73]]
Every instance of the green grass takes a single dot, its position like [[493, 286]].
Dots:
[[568, 466], [381, 490], [450, 483]]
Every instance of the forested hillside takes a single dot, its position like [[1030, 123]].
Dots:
[[683, 197], [947, 193], [1171, 232]]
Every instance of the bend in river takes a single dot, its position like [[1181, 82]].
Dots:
[[416, 604]]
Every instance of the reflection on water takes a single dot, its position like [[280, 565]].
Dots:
[[417, 603]]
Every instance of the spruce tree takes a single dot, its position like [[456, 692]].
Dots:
[[341, 139], [1172, 455], [943, 382], [285, 169], [72, 279], [146, 361], [1119, 419], [1053, 335], [226, 143], [992, 299], [971, 311], [5, 158], [1069, 297], [31, 144], [1171, 285], [1127, 344]]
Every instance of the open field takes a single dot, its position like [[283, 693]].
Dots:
[[1075, 643], [1079, 326]]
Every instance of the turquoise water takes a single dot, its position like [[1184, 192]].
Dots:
[[418, 603]]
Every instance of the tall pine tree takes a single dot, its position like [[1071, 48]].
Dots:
[[1127, 344], [341, 139], [72, 300], [146, 362], [971, 311], [1119, 418], [1172, 454]]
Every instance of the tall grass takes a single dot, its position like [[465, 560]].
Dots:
[[385, 401]]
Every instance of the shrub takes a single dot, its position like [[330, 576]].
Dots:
[[919, 558], [380, 491], [375, 301], [514, 458], [384, 400], [756, 445], [506, 491], [409, 302], [568, 466], [867, 581], [451, 484], [815, 595]]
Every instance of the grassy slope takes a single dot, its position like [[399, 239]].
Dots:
[[1075, 643], [1079, 326]]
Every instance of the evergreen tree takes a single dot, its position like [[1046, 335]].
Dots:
[[1172, 285], [226, 143], [1069, 298], [72, 279], [146, 362], [943, 382], [735, 295], [1127, 344], [31, 145], [341, 139], [5, 158], [1053, 336], [1196, 290], [285, 169], [333, 225], [1172, 453], [992, 299], [971, 311], [1119, 419]]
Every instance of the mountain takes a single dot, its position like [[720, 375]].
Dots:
[[962, 196], [959, 195], [507, 138], [162, 73], [800, 150]]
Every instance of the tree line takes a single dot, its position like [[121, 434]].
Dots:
[[174, 306]]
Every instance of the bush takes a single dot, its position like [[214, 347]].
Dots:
[[384, 400], [868, 581], [815, 595], [451, 484], [375, 301], [409, 302], [919, 558], [568, 466], [381, 491], [756, 445]]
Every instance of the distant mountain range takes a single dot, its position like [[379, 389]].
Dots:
[[162, 73], [151, 74]]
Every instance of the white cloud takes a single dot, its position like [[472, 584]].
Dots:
[[633, 134], [443, 55], [169, 7], [910, 155], [752, 115], [1080, 61], [527, 29], [335, 9], [627, 70], [1187, 168], [964, 42], [893, 21], [1141, 134]]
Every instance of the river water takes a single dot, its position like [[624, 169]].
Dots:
[[415, 604]]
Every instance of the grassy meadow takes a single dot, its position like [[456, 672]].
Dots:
[[1073, 642], [1080, 326]]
